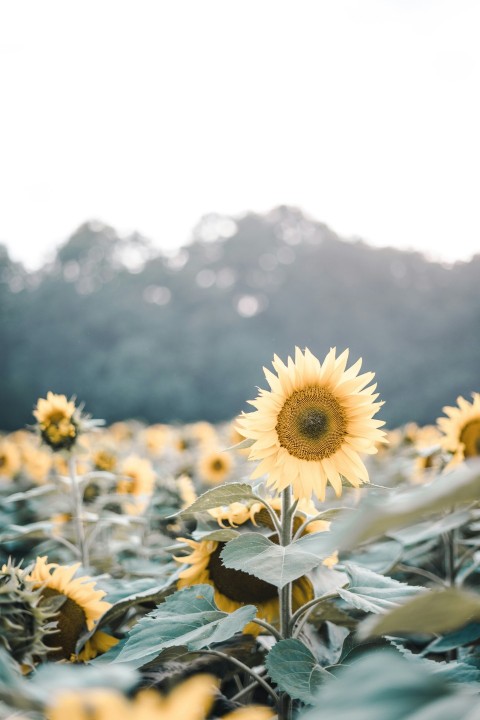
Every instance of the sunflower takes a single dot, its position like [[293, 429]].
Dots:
[[235, 588], [310, 428], [156, 438], [186, 490], [137, 482], [104, 460], [192, 699], [10, 460], [80, 611], [461, 429], [58, 421], [214, 467]]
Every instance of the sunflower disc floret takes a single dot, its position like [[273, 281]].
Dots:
[[312, 425]]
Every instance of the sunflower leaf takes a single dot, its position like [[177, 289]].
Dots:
[[435, 612], [256, 555], [188, 618], [295, 670], [381, 515], [374, 593], [222, 495]]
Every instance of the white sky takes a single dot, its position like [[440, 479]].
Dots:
[[147, 114]]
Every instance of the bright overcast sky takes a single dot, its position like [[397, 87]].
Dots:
[[147, 115]]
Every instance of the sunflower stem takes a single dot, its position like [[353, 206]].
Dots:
[[245, 668], [77, 507], [285, 593]]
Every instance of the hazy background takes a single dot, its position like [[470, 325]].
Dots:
[[251, 133]]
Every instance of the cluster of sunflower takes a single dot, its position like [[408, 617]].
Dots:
[[128, 515]]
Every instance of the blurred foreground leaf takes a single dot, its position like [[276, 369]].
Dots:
[[434, 612]]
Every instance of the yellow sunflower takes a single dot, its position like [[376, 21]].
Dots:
[[137, 482], [214, 467], [235, 588], [10, 459], [57, 421], [311, 427], [190, 700], [461, 429], [82, 608], [105, 460], [186, 490]]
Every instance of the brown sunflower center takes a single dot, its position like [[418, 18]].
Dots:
[[3, 460], [236, 584], [311, 424], [470, 437], [71, 623], [217, 465]]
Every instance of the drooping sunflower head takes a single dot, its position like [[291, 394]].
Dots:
[[80, 607], [214, 467], [461, 429], [312, 425], [58, 421], [235, 588]]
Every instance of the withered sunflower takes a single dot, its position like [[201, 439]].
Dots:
[[311, 427], [461, 429], [82, 608], [235, 588]]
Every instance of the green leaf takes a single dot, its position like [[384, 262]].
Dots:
[[377, 516], [459, 638], [222, 495], [220, 535], [255, 554], [434, 612], [431, 529], [451, 671], [379, 557], [374, 593], [153, 595], [382, 685], [295, 670], [188, 618]]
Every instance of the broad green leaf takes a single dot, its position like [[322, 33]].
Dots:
[[382, 685], [434, 612], [52, 676], [218, 496], [220, 535], [465, 636], [374, 593], [431, 529], [452, 671], [295, 670], [152, 595], [188, 618], [379, 557], [255, 554], [377, 516]]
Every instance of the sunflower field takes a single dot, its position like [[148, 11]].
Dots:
[[298, 562]]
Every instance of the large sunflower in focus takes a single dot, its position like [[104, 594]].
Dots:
[[311, 427], [461, 429], [82, 607]]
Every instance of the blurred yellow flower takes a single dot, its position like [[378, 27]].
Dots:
[[190, 700], [461, 429], [56, 421], [10, 460], [137, 481], [214, 467], [311, 427]]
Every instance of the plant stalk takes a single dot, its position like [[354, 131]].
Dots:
[[77, 507]]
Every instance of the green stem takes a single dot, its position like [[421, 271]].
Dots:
[[77, 507], [285, 593], [245, 668], [273, 631]]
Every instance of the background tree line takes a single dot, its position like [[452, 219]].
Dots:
[[134, 332]]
